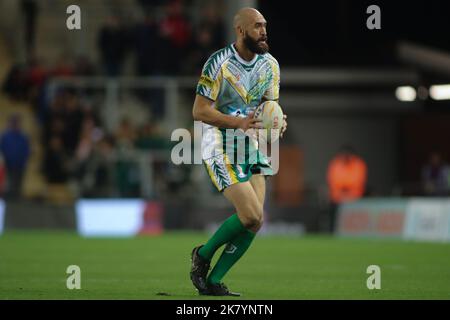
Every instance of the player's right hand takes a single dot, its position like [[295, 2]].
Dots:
[[250, 122]]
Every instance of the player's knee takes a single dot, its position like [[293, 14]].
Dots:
[[252, 223], [253, 217], [248, 222], [261, 222], [257, 226]]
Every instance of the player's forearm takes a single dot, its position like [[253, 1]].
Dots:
[[217, 119]]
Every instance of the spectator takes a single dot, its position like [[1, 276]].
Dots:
[[175, 29], [15, 148], [53, 118], [125, 134], [202, 48], [209, 36], [73, 119], [148, 62], [127, 170], [147, 42], [37, 73], [90, 135], [435, 176], [24, 81], [15, 85], [347, 177], [112, 45], [2, 176], [211, 20], [98, 176], [56, 164], [30, 11]]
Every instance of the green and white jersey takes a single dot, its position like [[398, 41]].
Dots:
[[237, 87]]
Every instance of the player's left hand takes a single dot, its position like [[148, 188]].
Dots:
[[284, 127]]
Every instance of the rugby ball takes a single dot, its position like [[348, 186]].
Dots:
[[270, 114]]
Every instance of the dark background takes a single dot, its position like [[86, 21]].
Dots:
[[334, 33]]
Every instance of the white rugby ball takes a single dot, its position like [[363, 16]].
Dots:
[[271, 116]]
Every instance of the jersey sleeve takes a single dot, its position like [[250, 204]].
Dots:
[[210, 80], [273, 91]]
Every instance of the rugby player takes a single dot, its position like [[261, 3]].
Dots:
[[234, 81]]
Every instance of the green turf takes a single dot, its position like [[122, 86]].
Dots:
[[33, 266]]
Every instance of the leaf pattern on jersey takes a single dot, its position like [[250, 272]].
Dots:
[[273, 90], [211, 70], [260, 87], [220, 172], [212, 66]]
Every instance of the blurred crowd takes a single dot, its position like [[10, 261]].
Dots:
[[14, 154], [164, 42], [79, 148], [76, 145], [161, 44], [435, 176]]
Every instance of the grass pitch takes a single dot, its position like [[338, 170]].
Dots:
[[33, 266]]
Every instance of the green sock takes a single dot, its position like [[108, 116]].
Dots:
[[226, 232], [230, 255]]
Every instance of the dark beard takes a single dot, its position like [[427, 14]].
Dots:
[[255, 46]]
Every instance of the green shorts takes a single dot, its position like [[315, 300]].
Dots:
[[223, 173]]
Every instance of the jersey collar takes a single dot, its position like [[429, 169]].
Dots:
[[244, 62]]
